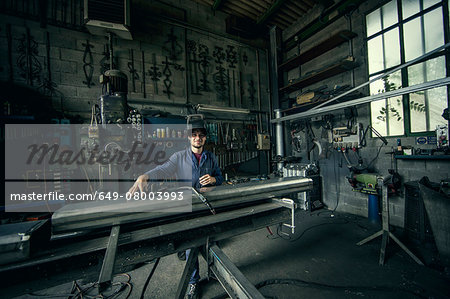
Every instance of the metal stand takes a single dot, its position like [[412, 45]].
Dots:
[[384, 232]]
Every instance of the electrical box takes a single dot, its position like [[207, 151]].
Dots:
[[263, 142], [345, 138]]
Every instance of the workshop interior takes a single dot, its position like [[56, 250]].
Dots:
[[328, 120]]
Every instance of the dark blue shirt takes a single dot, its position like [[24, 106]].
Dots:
[[183, 165]]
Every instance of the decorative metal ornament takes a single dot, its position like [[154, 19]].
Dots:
[[167, 82], [251, 91], [88, 61], [172, 47], [204, 67], [192, 66], [231, 57], [143, 75], [48, 86], [154, 74], [245, 58], [219, 55], [27, 61], [10, 60], [133, 72], [221, 81], [167, 72]]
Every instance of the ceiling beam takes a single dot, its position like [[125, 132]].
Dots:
[[217, 3], [270, 11]]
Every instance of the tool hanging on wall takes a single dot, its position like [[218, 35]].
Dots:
[[29, 66], [143, 75], [204, 67], [10, 62], [88, 61], [192, 63], [154, 74], [133, 72], [171, 47]]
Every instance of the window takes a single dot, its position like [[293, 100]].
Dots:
[[398, 32]]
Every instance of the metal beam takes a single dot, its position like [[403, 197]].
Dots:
[[270, 11], [415, 88], [217, 3], [106, 273], [229, 276]]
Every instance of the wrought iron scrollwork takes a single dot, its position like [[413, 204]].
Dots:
[[132, 70], [154, 74], [231, 57], [88, 61], [27, 61], [204, 67], [171, 47]]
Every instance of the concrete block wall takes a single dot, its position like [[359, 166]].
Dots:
[[336, 188], [68, 57]]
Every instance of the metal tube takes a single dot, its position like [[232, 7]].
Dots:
[[279, 139]]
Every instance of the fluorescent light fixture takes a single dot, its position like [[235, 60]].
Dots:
[[209, 108]]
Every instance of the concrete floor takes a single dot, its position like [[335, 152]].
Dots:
[[320, 261]]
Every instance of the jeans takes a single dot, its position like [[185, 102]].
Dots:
[[195, 277]]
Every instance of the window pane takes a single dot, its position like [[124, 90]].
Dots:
[[410, 7], [395, 119], [437, 100], [378, 120], [427, 105], [428, 3], [413, 39], [373, 22], [434, 28], [426, 71], [375, 53], [390, 15], [392, 48], [387, 115], [418, 117]]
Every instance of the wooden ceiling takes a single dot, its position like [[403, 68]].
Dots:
[[281, 13]]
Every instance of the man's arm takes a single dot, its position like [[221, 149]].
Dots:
[[160, 172]]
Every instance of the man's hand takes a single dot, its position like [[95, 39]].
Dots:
[[207, 180], [140, 185]]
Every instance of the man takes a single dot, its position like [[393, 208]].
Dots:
[[205, 171]]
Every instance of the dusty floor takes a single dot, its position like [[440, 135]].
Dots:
[[321, 260]]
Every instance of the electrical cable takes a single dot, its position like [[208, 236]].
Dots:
[[147, 281]]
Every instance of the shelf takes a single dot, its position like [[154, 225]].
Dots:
[[423, 157], [328, 44], [320, 75]]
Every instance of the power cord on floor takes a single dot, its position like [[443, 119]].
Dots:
[[78, 292], [147, 281]]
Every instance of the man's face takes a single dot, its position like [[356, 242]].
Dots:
[[197, 139]]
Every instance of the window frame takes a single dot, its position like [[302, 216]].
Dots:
[[444, 5]]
